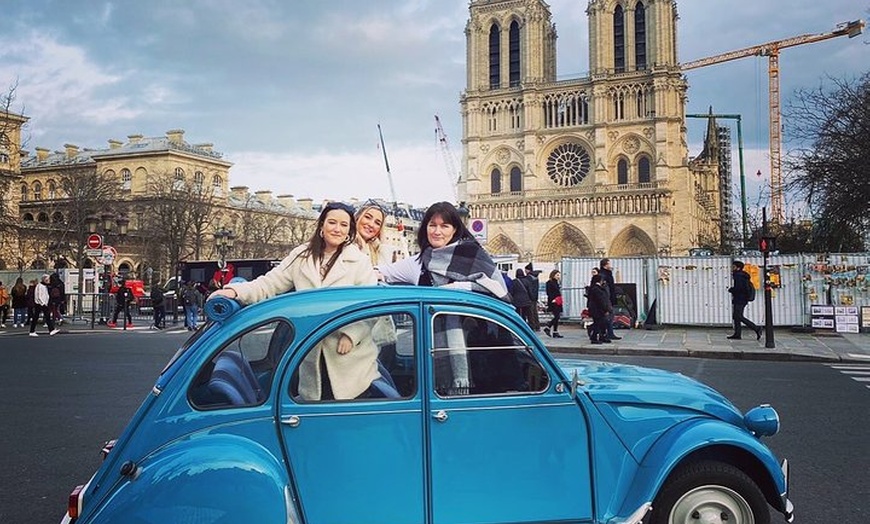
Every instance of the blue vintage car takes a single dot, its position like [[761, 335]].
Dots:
[[467, 419]]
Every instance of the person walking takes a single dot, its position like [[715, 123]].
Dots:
[[520, 295], [123, 298], [742, 293], [158, 307], [600, 309], [40, 300], [56, 298], [606, 271], [554, 303], [190, 300], [30, 297], [534, 286], [4, 305], [19, 303]]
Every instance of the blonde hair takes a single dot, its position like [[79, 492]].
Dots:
[[373, 246]]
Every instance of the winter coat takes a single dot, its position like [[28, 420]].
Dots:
[[350, 374], [607, 277], [30, 296], [4, 296], [40, 295], [19, 296], [598, 303], [553, 290], [740, 291], [157, 296], [520, 293]]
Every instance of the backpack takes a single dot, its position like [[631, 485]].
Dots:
[[750, 294]]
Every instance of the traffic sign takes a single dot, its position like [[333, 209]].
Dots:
[[95, 241], [108, 256], [478, 229]]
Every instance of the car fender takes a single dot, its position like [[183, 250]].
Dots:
[[206, 478], [695, 436]]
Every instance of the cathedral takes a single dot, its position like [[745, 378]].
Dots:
[[595, 166]]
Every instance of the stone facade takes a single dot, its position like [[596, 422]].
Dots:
[[588, 167], [10, 178]]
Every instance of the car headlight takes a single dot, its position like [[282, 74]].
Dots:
[[762, 421]]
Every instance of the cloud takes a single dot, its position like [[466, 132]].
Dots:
[[419, 175]]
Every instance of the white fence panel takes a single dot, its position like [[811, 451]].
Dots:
[[576, 273], [693, 290]]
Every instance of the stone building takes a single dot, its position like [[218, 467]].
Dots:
[[593, 166], [10, 176]]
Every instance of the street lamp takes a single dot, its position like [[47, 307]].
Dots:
[[223, 239], [107, 221], [463, 211]]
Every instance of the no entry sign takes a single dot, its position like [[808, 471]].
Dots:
[[95, 242]]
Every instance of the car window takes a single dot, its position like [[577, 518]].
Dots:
[[241, 373], [476, 356], [378, 362]]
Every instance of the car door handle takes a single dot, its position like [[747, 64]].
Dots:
[[291, 420], [440, 416]]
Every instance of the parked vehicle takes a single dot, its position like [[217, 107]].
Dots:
[[470, 419]]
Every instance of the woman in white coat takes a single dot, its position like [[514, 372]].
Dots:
[[329, 259]]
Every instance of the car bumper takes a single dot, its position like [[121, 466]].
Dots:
[[787, 506]]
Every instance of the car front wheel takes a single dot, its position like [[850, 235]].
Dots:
[[709, 493]]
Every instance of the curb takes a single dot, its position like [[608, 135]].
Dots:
[[773, 355]]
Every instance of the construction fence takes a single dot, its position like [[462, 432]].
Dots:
[[828, 291]]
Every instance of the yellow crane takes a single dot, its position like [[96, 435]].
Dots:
[[771, 50]]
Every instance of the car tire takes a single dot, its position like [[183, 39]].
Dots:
[[713, 490]]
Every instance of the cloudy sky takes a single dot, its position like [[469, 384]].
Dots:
[[292, 91]]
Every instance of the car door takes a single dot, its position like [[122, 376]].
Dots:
[[507, 444], [360, 460]]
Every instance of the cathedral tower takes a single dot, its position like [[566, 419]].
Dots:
[[585, 167]]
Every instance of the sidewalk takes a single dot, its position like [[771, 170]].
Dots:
[[671, 341], [710, 342]]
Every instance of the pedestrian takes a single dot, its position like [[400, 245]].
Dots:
[[158, 306], [123, 298], [344, 365], [600, 309], [555, 303], [520, 295], [41, 300], [590, 328], [606, 271], [19, 303], [4, 305], [534, 285], [57, 298], [31, 300], [190, 298], [742, 293]]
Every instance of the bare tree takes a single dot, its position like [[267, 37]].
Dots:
[[830, 167], [179, 216], [267, 233], [11, 125]]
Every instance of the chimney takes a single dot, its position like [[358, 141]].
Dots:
[[205, 147], [239, 192], [264, 196], [287, 201], [176, 136], [71, 150], [115, 144], [42, 153], [305, 203], [134, 139]]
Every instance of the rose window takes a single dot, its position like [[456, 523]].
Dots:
[[568, 164]]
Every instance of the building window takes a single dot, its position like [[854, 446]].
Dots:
[[495, 182], [126, 179], [24, 193], [516, 180], [52, 189], [640, 36], [37, 191], [57, 217], [514, 50], [622, 172], [4, 158], [494, 57], [28, 217], [179, 179], [198, 180], [643, 170], [619, 39], [568, 164], [217, 184], [42, 217]]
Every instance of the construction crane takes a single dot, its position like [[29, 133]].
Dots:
[[771, 50], [449, 159]]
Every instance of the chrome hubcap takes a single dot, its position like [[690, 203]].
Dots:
[[711, 505]]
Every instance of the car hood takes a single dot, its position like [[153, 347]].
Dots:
[[621, 384]]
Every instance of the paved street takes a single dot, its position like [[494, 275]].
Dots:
[[65, 395]]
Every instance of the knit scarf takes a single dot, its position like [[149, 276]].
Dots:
[[465, 261]]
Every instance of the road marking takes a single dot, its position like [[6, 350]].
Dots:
[[858, 372], [860, 356]]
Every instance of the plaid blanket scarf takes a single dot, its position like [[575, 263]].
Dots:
[[465, 261]]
